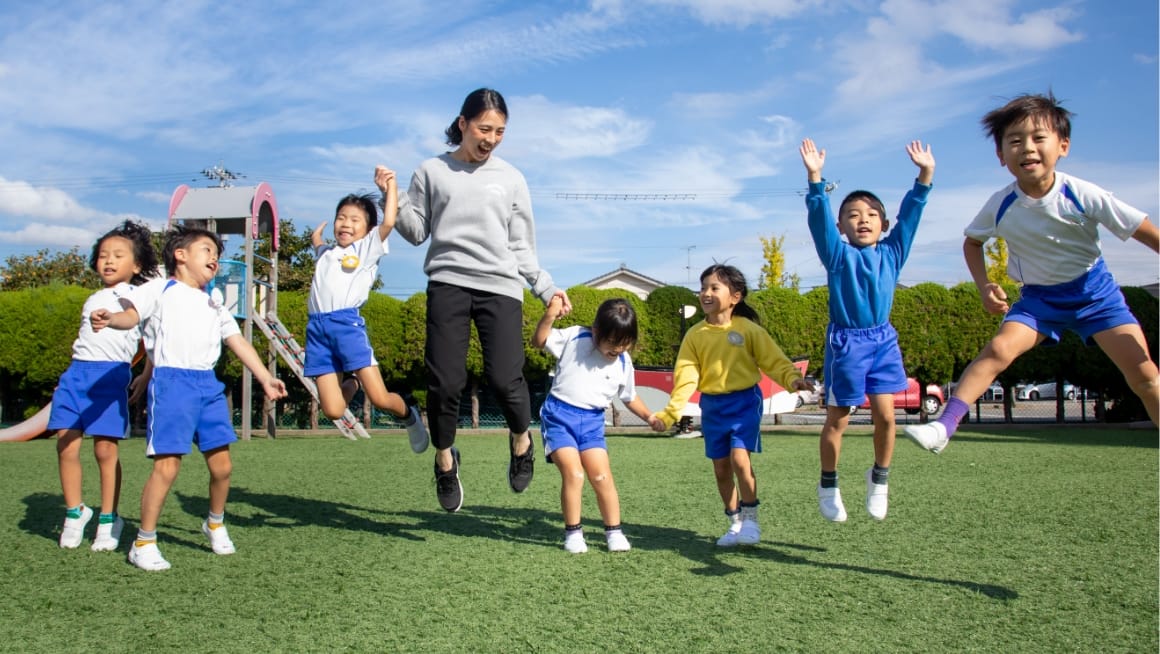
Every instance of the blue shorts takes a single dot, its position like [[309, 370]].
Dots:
[[861, 362], [92, 397], [1087, 305], [564, 425], [730, 421], [187, 406], [337, 342]]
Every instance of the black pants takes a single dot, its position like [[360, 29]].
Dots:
[[500, 322]]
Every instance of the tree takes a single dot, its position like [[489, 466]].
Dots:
[[996, 253], [773, 273], [43, 268]]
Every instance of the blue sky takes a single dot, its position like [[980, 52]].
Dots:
[[105, 108]]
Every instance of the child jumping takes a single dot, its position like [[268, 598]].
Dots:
[[1050, 221], [184, 329], [91, 396], [593, 366], [336, 334], [862, 358], [723, 357]]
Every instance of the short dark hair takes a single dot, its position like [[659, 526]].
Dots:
[[181, 237], [870, 199], [366, 202], [476, 103], [143, 253], [615, 323], [1041, 109], [735, 280]]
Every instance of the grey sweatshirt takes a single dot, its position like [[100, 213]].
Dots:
[[479, 220]]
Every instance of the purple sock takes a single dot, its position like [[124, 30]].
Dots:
[[953, 414]]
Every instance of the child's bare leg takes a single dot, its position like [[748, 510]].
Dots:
[[165, 469], [220, 468], [723, 471], [1126, 347], [68, 456], [109, 463], [376, 391], [1013, 339], [743, 470], [567, 460], [882, 413], [330, 395], [830, 444], [599, 472]]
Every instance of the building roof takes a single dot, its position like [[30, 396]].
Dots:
[[623, 272]]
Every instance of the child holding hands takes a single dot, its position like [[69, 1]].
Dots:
[[336, 334], [91, 396], [723, 357], [862, 358], [184, 329], [593, 366]]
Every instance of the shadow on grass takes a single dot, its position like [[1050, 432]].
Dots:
[[524, 525], [43, 516]]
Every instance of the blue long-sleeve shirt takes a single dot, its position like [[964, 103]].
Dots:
[[862, 280]]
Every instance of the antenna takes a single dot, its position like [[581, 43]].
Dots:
[[689, 263], [222, 175], [828, 188]]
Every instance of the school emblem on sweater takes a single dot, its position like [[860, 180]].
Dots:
[[350, 262], [735, 338]]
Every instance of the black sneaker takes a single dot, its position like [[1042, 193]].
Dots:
[[520, 468], [447, 486]]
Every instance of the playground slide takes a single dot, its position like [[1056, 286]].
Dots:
[[29, 429]]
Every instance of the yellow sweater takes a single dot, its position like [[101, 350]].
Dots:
[[717, 359]]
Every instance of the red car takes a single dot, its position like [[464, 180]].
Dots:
[[912, 401]]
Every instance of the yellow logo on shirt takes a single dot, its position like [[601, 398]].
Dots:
[[350, 262]]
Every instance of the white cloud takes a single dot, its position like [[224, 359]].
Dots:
[[551, 131], [49, 236], [740, 13]]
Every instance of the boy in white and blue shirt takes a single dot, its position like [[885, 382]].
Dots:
[[184, 329]]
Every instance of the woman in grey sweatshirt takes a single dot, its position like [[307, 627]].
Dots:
[[476, 210]]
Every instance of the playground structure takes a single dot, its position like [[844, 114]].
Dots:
[[251, 212]]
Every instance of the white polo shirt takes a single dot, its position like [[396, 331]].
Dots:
[[584, 377], [107, 344], [343, 276], [184, 326]]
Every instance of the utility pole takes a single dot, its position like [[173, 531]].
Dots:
[[689, 263]]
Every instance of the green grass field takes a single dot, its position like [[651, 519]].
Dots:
[[1037, 540]]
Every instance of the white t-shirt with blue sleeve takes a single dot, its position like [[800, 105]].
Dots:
[[584, 377], [118, 345], [343, 276], [184, 326]]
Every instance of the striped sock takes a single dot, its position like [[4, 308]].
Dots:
[[107, 518], [215, 520], [879, 475], [829, 479], [75, 512], [145, 537]]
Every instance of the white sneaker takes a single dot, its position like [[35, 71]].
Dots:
[[876, 499], [932, 436], [219, 539], [574, 542], [617, 541], [730, 539], [830, 504], [74, 529], [750, 533], [417, 433], [148, 557], [108, 536]]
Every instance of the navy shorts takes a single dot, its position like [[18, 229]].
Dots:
[[731, 421], [337, 342], [861, 362], [187, 406], [1087, 305], [92, 397], [564, 425]]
